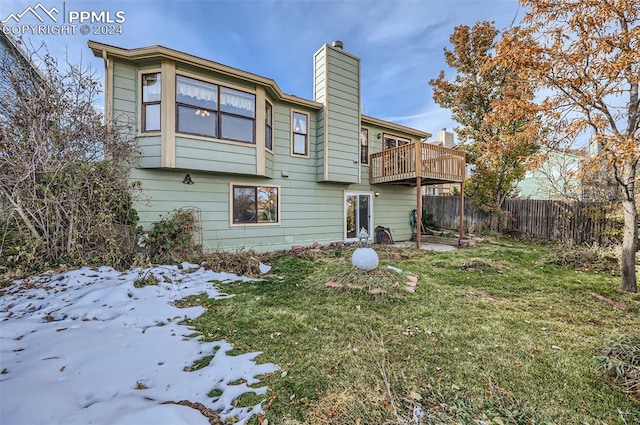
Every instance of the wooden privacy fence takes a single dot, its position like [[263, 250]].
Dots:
[[577, 222]]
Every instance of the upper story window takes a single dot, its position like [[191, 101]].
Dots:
[[391, 141], [268, 126], [206, 109], [197, 106], [364, 146], [255, 204], [151, 96], [300, 130]]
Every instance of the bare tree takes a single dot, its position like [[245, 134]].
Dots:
[[63, 170]]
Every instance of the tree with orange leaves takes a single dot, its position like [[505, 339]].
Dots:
[[498, 125], [584, 56]]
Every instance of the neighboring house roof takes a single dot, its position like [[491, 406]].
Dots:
[[143, 54], [382, 123], [16, 51]]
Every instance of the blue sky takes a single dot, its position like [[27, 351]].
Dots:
[[400, 43]]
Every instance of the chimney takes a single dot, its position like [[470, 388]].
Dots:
[[445, 138], [336, 83]]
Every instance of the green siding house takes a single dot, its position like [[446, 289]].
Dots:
[[557, 177], [263, 169]]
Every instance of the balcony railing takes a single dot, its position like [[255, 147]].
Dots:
[[403, 164]]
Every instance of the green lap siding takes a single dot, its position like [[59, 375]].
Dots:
[[311, 187], [310, 212], [149, 148], [197, 154]]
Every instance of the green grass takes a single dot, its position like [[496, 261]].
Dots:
[[496, 332]]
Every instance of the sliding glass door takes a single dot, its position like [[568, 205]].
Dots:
[[358, 215]]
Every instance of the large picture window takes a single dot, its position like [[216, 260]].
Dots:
[[255, 204], [300, 129], [151, 97], [206, 109]]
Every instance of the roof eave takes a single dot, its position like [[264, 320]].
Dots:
[[393, 126], [161, 52]]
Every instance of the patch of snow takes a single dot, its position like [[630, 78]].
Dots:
[[264, 268], [395, 269], [87, 346]]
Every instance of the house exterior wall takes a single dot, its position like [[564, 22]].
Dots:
[[556, 178], [311, 188]]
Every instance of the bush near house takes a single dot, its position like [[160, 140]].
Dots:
[[66, 197]]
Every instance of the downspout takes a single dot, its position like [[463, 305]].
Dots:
[[108, 113]]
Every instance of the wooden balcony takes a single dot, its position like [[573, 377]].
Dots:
[[404, 164]]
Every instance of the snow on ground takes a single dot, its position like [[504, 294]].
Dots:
[[87, 347]]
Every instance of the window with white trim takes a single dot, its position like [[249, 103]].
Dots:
[[391, 141], [151, 101], [300, 130], [255, 204]]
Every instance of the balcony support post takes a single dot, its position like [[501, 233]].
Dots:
[[418, 168], [461, 236], [418, 210]]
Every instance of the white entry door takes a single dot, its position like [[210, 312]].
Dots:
[[357, 212]]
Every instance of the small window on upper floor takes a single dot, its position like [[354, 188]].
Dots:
[[300, 131], [364, 146], [391, 141], [268, 126], [151, 97], [197, 107]]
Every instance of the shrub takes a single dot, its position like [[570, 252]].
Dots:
[[171, 239], [64, 170], [428, 221], [620, 361], [585, 258]]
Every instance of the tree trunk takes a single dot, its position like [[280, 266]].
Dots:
[[630, 213], [494, 221], [629, 244]]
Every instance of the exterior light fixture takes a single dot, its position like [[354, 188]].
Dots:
[[187, 179], [377, 194], [379, 135]]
